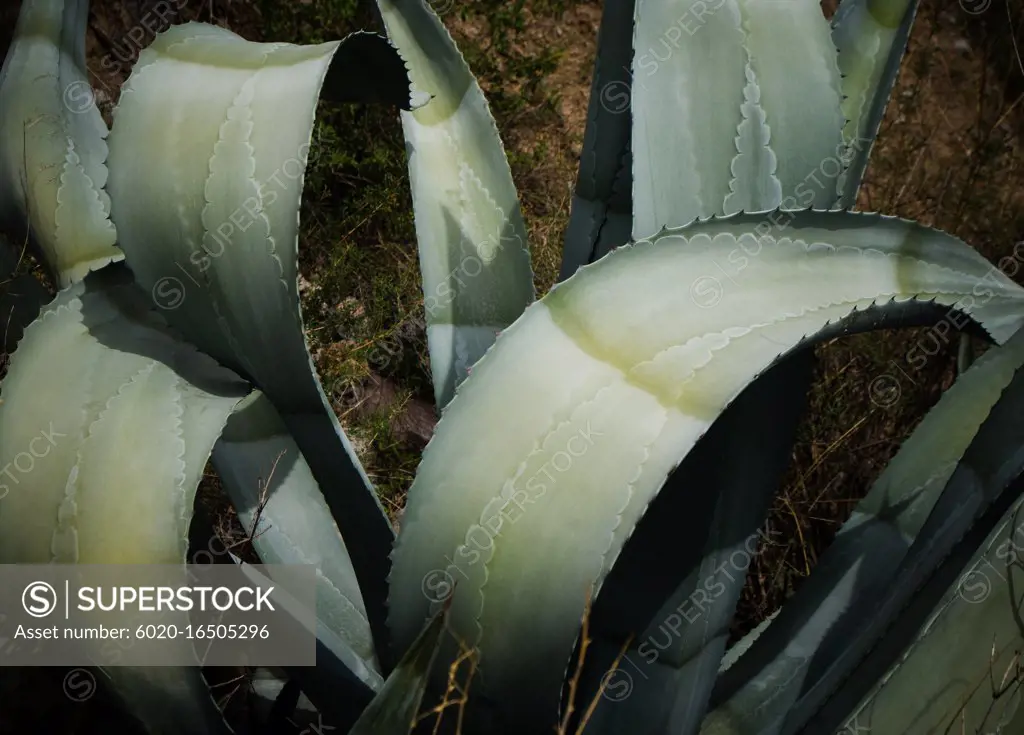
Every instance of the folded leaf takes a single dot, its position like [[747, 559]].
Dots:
[[227, 124], [813, 641], [52, 147], [543, 508]]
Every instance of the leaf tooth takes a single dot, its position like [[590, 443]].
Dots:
[[64, 541], [184, 495]]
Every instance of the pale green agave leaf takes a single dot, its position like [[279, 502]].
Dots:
[[828, 616], [474, 256], [541, 509], [871, 36], [106, 424], [52, 146], [395, 708], [222, 126], [772, 407], [280, 505], [601, 211], [687, 88], [751, 82]]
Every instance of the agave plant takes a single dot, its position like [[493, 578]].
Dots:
[[581, 497]]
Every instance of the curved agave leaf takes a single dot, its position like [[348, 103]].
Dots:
[[602, 205], [753, 82], [972, 506], [278, 501], [383, 78], [541, 511], [825, 623], [947, 680], [52, 146], [224, 126], [774, 404], [474, 256], [118, 418], [871, 36], [707, 541]]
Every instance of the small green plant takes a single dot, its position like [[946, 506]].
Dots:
[[597, 469]]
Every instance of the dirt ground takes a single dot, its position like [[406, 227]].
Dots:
[[947, 155]]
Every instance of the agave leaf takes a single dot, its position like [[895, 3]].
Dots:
[[707, 540], [279, 503], [958, 668], [724, 523], [637, 393], [278, 701], [118, 418], [52, 146], [825, 624], [474, 257], [227, 123], [341, 685], [753, 82], [602, 205], [986, 482], [393, 711], [687, 89], [795, 67], [871, 36]]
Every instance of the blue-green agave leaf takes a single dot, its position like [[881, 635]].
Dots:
[[395, 708], [814, 641], [281, 507], [602, 207], [473, 249], [341, 685], [871, 36]]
